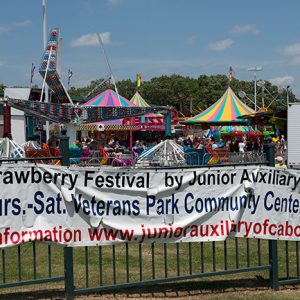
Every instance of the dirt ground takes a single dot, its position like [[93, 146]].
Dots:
[[171, 291]]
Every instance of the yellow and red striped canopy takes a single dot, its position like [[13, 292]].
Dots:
[[226, 110]]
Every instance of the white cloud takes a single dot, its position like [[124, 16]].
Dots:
[[91, 39], [3, 29], [114, 2], [296, 60], [191, 40], [221, 45], [282, 81], [23, 23], [16, 24], [293, 49], [249, 28]]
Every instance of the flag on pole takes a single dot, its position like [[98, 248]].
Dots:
[[70, 74], [139, 80], [32, 73], [230, 74]]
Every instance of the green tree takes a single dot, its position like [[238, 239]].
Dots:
[[175, 89]]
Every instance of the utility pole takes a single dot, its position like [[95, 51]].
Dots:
[[255, 69], [287, 96]]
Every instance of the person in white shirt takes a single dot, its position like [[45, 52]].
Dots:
[[242, 147]]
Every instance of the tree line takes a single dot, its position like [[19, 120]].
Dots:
[[195, 94], [182, 91]]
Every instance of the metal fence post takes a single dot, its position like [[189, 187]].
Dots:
[[168, 124], [270, 154], [29, 129], [273, 250], [69, 273], [68, 251], [64, 147], [273, 259]]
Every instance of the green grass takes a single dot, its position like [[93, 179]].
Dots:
[[201, 260]]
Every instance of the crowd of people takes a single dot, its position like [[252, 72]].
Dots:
[[236, 145], [113, 147], [241, 145]]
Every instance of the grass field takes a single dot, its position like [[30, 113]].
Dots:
[[107, 265]]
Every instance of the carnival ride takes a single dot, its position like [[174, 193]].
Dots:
[[125, 126], [166, 153], [48, 68], [65, 112], [150, 121], [102, 111]]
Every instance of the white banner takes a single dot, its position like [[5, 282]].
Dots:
[[85, 206]]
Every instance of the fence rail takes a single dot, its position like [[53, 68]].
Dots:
[[130, 265], [32, 263], [109, 268]]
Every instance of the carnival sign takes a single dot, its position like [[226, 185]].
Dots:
[[84, 206]]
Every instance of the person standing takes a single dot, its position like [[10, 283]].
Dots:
[[280, 163], [242, 147], [283, 147]]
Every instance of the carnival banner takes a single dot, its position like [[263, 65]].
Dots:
[[84, 206]]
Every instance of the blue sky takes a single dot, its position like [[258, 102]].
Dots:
[[155, 37]]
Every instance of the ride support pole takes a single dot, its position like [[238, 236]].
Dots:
[[6, 121]]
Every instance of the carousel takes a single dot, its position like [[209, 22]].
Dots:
[[124, 127]]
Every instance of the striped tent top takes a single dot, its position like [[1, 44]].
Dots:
[[109, 98], [226, 110], [138, 100]]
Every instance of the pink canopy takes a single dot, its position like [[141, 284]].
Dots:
[[109, 98]]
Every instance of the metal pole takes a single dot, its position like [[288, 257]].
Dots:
[[180, 104], [107, 62], [69, 273], [44, 85], [255, 91], [68, 251], [64, 147], [287, 95], [69, 72], [263, 99], [6, 121], [254, 70], [29, 128], [45, 45], [273, 247], [131, 133], [168, 124]]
